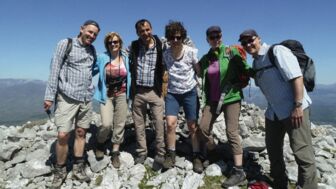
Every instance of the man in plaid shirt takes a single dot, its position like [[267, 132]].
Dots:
[[146, 88], [70, 85]]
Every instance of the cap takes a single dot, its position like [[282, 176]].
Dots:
[[248, 33], [213, 29], [91, 22]]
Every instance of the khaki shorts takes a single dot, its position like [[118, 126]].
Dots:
[[69, 110]]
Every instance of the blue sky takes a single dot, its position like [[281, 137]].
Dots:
[[30, 29]]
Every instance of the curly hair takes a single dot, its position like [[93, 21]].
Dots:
[[109, 36], [174, 27]]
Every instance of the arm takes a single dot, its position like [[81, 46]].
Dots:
[[55, 68], [297, 113], [95, 67]]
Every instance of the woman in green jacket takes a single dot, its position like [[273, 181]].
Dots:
[[222, 69]]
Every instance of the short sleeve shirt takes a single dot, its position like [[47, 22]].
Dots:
[[182, 77], [274, 82]]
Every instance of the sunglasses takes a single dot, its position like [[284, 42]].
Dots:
[[114, 42], [172, 38], [247, 42], [215, 37]]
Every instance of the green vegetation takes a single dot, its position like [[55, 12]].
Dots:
[[150, 173], [212, 182]]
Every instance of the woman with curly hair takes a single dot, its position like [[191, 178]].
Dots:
[[180, 61]]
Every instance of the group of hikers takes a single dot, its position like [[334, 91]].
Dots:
[[135, 78]]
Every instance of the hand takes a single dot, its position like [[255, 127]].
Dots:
[[296, 117], [47, 104]]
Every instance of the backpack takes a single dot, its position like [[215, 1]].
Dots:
[[244, 78], [305, 62], [68, 50]]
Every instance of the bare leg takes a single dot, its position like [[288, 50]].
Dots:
[[79, 142], [171, 132], [62, 147]]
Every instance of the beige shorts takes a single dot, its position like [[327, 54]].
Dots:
[[69, 110]]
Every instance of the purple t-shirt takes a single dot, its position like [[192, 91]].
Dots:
[[214, 79]]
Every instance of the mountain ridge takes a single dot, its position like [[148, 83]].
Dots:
[[22, 101]]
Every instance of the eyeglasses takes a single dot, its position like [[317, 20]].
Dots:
[[247, 42], [215, 37], [172, 38], [114, 42]]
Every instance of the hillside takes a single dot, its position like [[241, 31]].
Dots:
[[21, 100]]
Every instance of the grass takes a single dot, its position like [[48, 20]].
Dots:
[[212, 182], [150, 173]]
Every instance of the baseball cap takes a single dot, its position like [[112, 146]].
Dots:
[[91, 22], [248, 33], [213, 29]]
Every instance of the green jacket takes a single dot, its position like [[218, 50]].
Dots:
[[230, 71]]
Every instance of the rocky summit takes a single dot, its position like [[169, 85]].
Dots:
[[27, 155]]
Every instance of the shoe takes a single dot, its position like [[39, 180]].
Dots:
[[115, 159], [140, 159], [100, 151], [159, 159], [78, 172], [197, 165], [169, 161], [237, 178], [59, 176]]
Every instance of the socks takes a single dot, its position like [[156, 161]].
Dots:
[[78, 160]]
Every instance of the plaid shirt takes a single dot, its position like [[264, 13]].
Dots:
[[74, 78], [146, 66]]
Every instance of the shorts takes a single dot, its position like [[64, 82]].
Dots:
[[69, 110], [188, 100]]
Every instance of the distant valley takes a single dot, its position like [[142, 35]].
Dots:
[[22, 100]]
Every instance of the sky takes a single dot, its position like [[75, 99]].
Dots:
[[30, 29]]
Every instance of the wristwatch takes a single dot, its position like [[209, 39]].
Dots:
[[298, 104]]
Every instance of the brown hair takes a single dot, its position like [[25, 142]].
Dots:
[[109, 36], [174, 27]]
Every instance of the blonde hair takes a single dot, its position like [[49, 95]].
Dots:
[[109, 36]]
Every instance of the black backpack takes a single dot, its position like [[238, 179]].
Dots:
[[305, 62]]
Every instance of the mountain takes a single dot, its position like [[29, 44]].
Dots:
[[323, 109], [22, 100]]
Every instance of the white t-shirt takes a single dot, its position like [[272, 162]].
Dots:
[[182, 76]]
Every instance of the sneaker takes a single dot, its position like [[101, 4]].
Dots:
[[197, 165], [140, 159], [59, 177], [115, 159], [169, 161], [99, 151], [237, 178], [78, 172]]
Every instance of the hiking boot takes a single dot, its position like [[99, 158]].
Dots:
[[159, 159], [99, 151], [115, 159], [237, 178], [169, 161], [197, 165], [59, 176], [78, 172], [140, 159]]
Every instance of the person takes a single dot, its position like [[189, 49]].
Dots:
[[112, 93], [146, 89], [180, 61], [70, 85], [220, 71], [287, 111]]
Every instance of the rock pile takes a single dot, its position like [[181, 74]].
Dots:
[[27, 154]]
